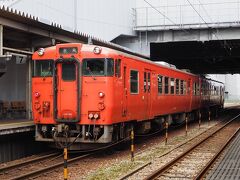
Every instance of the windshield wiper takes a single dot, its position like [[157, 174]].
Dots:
[[91, 73]]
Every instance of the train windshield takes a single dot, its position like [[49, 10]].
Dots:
[[42, 68], [98, 67]]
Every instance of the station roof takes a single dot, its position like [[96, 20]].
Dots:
[[26, 32], [23, 31], [208, 57]]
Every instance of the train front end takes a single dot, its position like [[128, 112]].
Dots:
[[72, 96]]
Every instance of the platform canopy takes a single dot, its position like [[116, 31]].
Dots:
[[204, 57]]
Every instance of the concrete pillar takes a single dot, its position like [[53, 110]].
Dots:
[[1, 39], [29, 87]]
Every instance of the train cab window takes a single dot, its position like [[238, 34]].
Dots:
[[68, 72], [118, 67], [172, 85], [134, 81], [160, 80], [177, 86], [42, 68], [166, 82], [98, 67], [181, 86]]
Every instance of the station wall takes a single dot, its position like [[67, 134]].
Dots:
[[13, 82]]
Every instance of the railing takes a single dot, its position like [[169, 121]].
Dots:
[[218, 14]]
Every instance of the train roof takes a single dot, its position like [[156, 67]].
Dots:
[[209, 79], [106, 50]]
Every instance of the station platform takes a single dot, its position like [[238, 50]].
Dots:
[[229, 166], [14, 126]]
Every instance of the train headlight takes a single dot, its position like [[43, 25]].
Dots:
[[101, 94], [90, 116], [41, 51], [96, 116]]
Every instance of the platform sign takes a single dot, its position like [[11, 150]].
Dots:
[[21, 59]]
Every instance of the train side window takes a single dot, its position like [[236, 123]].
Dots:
[[177, 86], [172, 86], [181, 87], [149, 82], [203, 88], [207, 93], [160, 80], [188, 87], [166, 82], [198, 89], [118, 67], [145, 82], [134, 81], [98, 67], [195, 89], [184, 87]]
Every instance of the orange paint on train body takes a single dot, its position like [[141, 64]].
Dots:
[[98, 92]]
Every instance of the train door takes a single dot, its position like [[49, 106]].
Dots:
[[147, 93], [125, 92], [67, 91]]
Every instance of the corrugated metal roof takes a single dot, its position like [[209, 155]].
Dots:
[[25, 18]]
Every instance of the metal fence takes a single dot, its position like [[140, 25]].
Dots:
[[215, 14]]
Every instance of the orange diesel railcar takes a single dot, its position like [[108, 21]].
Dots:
[[92, 95]]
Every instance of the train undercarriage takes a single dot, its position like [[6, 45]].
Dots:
[[85, 137]]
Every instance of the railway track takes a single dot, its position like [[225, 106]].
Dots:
[[16, 170], [189, 163], [190, 158], [6, 169], [37, 167], [51, 166]]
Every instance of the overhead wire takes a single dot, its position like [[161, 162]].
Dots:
[[166, 16], [223, 44]]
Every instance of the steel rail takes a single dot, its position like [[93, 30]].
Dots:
[[42, 170], [51, 167], [17, 165], [163, 169], [182, 144], [134, 171], [205, 169]]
